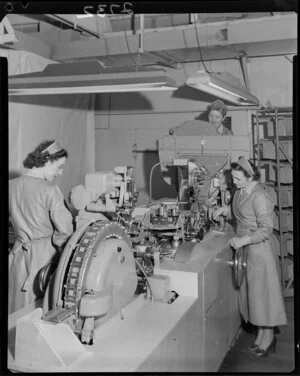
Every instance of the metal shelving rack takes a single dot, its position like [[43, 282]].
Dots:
[[261, 116]]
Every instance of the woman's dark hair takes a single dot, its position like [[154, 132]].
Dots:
[[238, 167], [218, 105], [39, 157]]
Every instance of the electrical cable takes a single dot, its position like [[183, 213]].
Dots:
[[208, 33], [145, 275], [97, 26], [150, 178], [130, 54], [114, 58], [201, 57], [150, 181]]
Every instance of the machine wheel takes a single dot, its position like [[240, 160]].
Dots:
[[239, 265]]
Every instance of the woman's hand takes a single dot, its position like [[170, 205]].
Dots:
[[239, 242], [220, 211]]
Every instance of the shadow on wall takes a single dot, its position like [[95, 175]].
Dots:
[[50, 100], [122, 102], [187, 92], [12, 174], [203, 116], [160, 189]]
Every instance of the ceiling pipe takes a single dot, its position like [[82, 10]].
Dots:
[[243, 63]]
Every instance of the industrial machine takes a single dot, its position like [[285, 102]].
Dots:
[[128, 268], [111, 256], [96, 274]]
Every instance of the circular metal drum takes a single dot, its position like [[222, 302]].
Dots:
[[96, 273]]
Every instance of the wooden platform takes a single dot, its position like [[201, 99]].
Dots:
[[240, 360]]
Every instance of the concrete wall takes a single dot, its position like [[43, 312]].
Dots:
[[125, 121]]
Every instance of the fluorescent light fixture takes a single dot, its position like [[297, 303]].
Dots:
[[89, 77], [223, 85], [89, 15], [79, 16]]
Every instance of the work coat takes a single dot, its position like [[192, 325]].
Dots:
[[261, 297], [42, 224]]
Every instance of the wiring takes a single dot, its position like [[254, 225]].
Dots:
[[97, 27], [145, 275], [208, 33], [130, 54], [150, 182], [113, 58], [201, 57]]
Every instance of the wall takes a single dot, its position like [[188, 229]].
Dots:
[[35, 118], [128, 120]]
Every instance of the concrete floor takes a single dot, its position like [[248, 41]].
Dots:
[[240, 360]]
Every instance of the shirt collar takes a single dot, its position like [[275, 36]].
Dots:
[[249, 187], [35, 173], [220, 129]]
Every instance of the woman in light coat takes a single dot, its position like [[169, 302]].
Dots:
[[41, 222], [261, 297]]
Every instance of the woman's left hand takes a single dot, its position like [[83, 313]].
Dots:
[[238, 242]]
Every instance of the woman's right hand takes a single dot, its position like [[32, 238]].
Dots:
[[220, 211]]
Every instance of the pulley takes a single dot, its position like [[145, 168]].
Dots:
[[239, 265]]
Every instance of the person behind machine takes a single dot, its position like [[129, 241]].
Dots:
[[41, 222], [261, 297], [216, 115], [212, 126]]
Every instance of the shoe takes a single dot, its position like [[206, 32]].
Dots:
[[264, 353], [276, 330], [252, 347]]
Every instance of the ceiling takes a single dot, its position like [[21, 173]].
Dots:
[[153, 39]]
